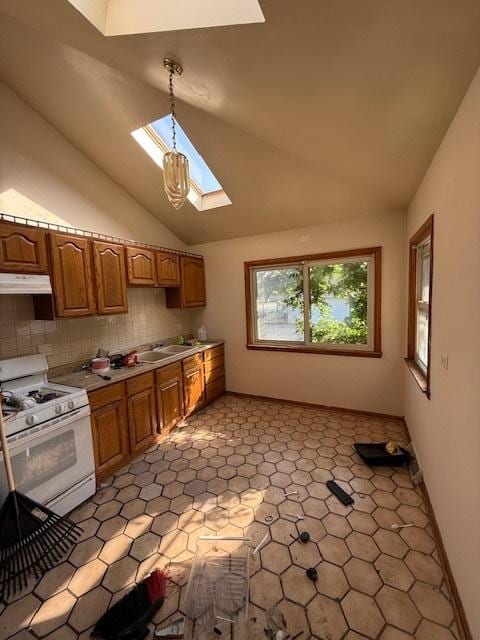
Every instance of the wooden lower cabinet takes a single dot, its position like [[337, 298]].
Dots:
[[169, 383], [193, 385], [214, 371], [142, 411], [127, 416], [109, 428]]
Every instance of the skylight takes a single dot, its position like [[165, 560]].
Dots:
[[156, 139], [121, 17]]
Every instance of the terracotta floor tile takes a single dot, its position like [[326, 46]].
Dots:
[[227, 473], [398, 609], [362, 576], [424, 568], [296, 586], [431, 631], [87, 577], [275, 557], [431, 603], [331, 581], [362, 614], [53, 613], [326, 618]]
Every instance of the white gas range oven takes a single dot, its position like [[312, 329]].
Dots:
[[49, 436]]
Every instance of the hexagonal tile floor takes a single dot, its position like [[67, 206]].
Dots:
[[228, 473]]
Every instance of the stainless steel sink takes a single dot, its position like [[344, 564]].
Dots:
[[152, 356], [172, 349]]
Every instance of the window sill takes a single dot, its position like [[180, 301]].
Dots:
[[359, 353], [419, 377]]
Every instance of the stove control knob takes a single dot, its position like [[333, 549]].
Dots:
[[58, 409], [71, 404], [31, 420]]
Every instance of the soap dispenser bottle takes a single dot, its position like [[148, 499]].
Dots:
[[202, 334]]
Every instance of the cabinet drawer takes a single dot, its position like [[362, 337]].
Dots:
[[111, 393], [169, 372], [140, 383], [216, 363], [215, 352], [215, 389], [214, 374], [193, 361]]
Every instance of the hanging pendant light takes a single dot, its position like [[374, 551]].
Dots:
[[175, 164]]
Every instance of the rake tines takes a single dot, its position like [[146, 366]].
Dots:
[[32, 541]]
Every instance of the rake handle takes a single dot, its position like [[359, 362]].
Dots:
[[6, 454]]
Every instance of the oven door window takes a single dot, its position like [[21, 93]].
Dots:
[[39, 463]]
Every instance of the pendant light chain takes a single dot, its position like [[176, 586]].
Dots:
[[176, 176], [172, 109]]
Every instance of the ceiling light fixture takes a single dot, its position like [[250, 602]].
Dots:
[[175, 164]]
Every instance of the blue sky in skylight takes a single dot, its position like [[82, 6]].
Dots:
[[199, 171]]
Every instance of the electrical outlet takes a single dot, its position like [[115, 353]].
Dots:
[[444, 359], [46, 349]]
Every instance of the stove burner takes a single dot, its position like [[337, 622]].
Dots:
[[40, 396]]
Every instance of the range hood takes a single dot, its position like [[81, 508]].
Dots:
[[21, 283]]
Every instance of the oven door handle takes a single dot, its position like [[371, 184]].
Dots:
[[45, 429]]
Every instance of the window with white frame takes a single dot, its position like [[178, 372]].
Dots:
[[419, 316], [325, 303]]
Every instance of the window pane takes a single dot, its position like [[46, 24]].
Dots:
[[422, 339], [279, 304], [423, 271], [339, 303]]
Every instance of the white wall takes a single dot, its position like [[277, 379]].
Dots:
[[446, 429], [43, 176], [360, 383]]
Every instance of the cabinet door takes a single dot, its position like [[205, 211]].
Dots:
[[168, 269], [109, 428], [169, 399], [193, 281], [22, 250], [141, 266], [193, 389], [142, 411], [191, 292], [110, 277], [72, 275]]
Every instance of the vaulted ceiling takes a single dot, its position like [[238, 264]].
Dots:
[[329, 110]]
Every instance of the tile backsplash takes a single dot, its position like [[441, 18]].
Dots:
[[75, 339]]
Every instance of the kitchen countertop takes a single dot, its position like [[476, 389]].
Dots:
[[91, 381]]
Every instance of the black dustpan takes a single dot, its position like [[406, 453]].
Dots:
[[32, 538]]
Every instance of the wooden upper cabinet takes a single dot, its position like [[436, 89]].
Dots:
[[72, 275], [168, 269], [141, 267], [110, 277], [22, 250], [191, 292]]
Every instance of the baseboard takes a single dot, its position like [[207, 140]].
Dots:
[[460, 618], [313, 405]]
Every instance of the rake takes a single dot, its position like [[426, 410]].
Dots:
[[32, 538]]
